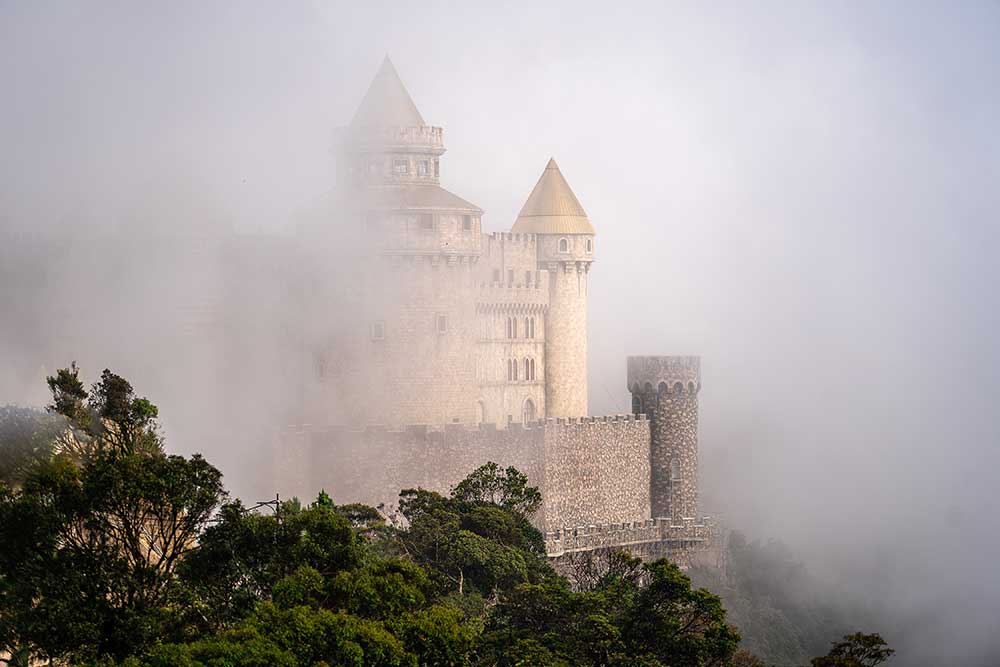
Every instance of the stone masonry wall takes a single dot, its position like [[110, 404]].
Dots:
[[588, 471]]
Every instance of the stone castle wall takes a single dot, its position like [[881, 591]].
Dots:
[[588, 470]]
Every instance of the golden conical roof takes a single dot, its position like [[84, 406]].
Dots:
[[552, 208], [387, 102]]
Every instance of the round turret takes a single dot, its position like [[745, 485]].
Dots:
[[566, 251], [666, 389]]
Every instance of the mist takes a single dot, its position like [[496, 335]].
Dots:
[[804, 195]]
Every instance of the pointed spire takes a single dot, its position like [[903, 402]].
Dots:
[[552, 208], [387, 103]]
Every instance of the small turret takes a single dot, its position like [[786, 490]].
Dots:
[[565, 250]]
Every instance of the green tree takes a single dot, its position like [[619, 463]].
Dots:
[[110, 416], [91, 545], [27, 438], [856, 650]]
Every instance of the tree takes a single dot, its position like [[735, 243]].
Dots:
[[27, 438], [110, 416], [92, 543], [508, 489], [856, 650]]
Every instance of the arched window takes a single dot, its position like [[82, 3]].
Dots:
[[528, 411], [513, 365], [513, 324], [527, 369], [481, 413], [510, 372], [532, 369], [563, 245], [675, 470]]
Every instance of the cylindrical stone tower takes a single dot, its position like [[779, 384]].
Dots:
[[566, 251], [666, 389]]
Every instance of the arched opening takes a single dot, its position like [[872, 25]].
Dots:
[[678, 388], [563, 245], [690, 387], [528, 411]]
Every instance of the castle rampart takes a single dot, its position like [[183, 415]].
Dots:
[[589, 469]]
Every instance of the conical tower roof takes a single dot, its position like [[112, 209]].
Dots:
[[387, 103], [552, 208]]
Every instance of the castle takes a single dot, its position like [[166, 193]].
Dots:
[[460, 347]]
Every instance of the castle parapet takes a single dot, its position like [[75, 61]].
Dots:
[[666, 371], [393, 137]]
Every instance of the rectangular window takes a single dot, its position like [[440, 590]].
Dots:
[[467, 223], [378, 330], [442, 323], [400, 167], [426, 221], [496, 275], [437, 168], [423, 168]]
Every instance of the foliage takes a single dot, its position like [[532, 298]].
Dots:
[[110, 416], [27, 439], [115, 553], [856, 650]]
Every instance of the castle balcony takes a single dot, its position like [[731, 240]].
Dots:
[[422, 138]]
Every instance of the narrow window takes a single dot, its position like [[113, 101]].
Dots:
[[675, 470], [527, 369], [467, 223], [442, 323], [437, 168], [378, 330], [563, 245], [513, 327], [401, 167], [510, 277], [423, 168], [513, 365], [496, 275], [527, 278], [532, 369], [510, 372], [590, 245], [426, 221], [527, 327]]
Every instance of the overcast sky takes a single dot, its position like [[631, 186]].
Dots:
[[806, 195]]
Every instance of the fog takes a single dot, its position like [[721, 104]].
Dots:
[[804, 195]]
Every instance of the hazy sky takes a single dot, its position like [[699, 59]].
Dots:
[[806, 195]]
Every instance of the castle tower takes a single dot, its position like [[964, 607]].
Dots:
[[412, 247], [666, 389], [565, 250]]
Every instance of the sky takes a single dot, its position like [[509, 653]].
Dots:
[[804, 194]]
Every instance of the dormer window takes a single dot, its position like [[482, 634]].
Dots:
[[564, 245], [401, 167]]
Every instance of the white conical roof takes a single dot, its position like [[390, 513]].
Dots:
[[552, 208], [387, 103]]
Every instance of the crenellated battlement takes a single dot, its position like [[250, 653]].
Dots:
[[687, 531], [388, 138], [670, 374], [511, 238]]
